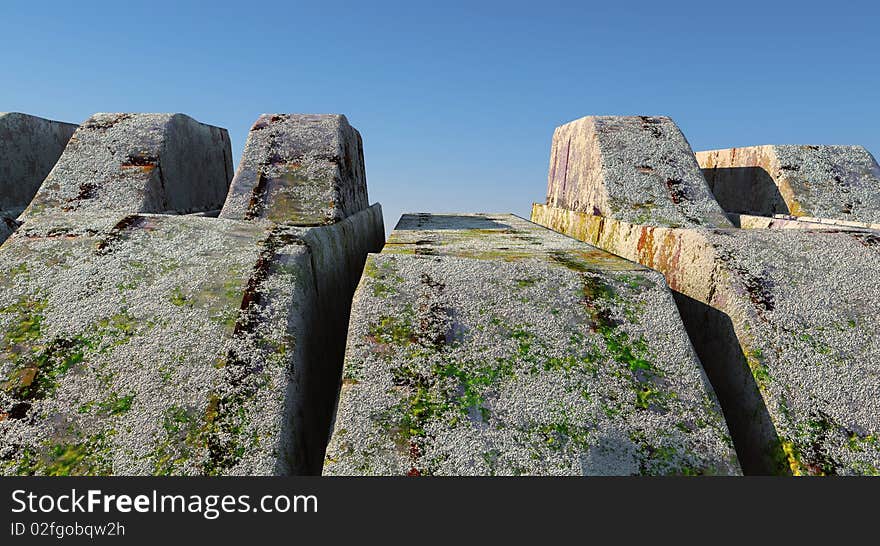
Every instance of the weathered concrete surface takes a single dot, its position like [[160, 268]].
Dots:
[[304, 168], [134, 343], [29, 148], [637, 169], [486, 345], [784, 221], [835, 182], [784, 322], [138, 163]]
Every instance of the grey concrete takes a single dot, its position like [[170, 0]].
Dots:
[[135, 343], [637, 169], [302, 168], [482, 344], [832, 182], [29, 148], [146, 163], [783, 320]]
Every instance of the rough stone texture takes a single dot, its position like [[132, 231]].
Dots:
[[486, 345], [134, 343], [303, 168], [29, 147], [784, 221], [636, 169], [834, 182], [796, 338], [138, 163], [785, 324]]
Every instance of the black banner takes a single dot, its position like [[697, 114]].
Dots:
[[406, 510]]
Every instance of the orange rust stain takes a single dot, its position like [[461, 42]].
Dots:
[[141, 168], [645, 247], [671, 254]]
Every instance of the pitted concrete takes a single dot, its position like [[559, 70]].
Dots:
[[637, 169], [485, 345], [136, 343], [150, 163], [301, 168], [784, 321], [29, 148], [832, 182]]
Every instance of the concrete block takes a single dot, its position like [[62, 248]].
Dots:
[[833, 182], [482, 344], [29, 148], [637, 169], [148, 163], [134, 343], [301, 168], [783, 320]]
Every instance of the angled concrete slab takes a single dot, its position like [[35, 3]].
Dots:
[[150, 163], [482, 344], [29, 148], [303, 168], [832, 182], [137, 343], [641, 169], [784, 322]]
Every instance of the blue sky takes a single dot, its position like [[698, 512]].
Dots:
[[457, 102]]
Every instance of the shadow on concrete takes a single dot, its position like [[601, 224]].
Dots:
[[714, 339], [746, 190], [430, 221]]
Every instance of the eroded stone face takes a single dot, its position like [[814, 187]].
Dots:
[[637, 169], [29, 148], [832, 182], [784, 320], [485, 345], [138, 163], [302, 168], [135, 343]]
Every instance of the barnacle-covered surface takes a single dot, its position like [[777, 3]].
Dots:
[[833, 182], [637, 169], [126, 347], [302, 168], [484, 344], [804, 307], [29, 148], [138, 163], [136, 343]]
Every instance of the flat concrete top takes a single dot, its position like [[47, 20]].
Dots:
[[494, 237], [482, 344]]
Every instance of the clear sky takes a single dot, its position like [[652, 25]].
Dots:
[[457, 102]]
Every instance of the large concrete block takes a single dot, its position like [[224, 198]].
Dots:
[[29, 148], [302, 168], [834, 182], [172, 344], [147, 163], [486, 345], [784, 322], [631, 168]]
